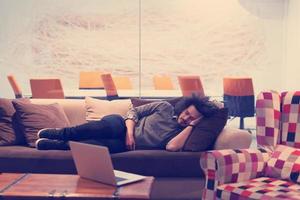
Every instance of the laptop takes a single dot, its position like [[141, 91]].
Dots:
[[94, 162]]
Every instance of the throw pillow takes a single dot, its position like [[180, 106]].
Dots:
[[204, 135], [96, 108], [33, 117], [284, 163], [10, 134]]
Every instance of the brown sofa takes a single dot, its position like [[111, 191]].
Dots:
[[178, 174]]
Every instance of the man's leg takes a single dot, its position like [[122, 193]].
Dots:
[[109, 127], [113, 145]]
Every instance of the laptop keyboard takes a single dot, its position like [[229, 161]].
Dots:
[[119, 179]]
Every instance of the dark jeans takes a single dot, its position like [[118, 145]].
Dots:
[[110, 131]]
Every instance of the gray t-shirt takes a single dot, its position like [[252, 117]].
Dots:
[[156, 125]]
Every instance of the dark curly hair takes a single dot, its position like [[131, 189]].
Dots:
[[203, 105]]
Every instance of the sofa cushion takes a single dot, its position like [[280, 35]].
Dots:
[[35, 117], [23, 159], [9, 131], [158, 163], [204, 135], [284, 163], [96, 108], [259, 188]]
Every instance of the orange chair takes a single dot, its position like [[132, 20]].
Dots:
[[162, 82], [90, 80], [109, 86], [15, 86], [122, 82], [47, 88], [190, 85], [239, 97]]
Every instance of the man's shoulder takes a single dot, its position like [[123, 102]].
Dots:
[[165, 104], [162, 105], [159, 103]]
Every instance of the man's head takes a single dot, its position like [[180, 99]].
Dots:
[[191, 108]]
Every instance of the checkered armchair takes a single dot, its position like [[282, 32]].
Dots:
[[272, 170]]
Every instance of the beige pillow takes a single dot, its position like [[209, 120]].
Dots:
[[96, 108]]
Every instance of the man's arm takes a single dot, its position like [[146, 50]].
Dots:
[[177, 143], [130, 142], [134, 114]]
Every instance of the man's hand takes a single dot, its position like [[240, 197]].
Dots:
[[130, 142], [195, 121], [177, 142]]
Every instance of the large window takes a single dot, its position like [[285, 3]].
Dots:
[[213, 39], [61, 38]]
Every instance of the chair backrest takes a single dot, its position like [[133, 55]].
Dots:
[[239, 96], [268, 119], [90, 80], [122, 82], [238, 86], [47, 88], [277, 119], [109, 86], [290, 119], [15, 86], [191, 85], [162, 82]]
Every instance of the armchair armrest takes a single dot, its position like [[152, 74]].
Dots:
[[233, 138], [229, 166]]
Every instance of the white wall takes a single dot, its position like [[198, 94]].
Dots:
[[292, 59]]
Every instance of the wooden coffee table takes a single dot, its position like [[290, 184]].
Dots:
[[68, 187]]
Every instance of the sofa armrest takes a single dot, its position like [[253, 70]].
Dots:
[[229, 166], [233, 138]]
